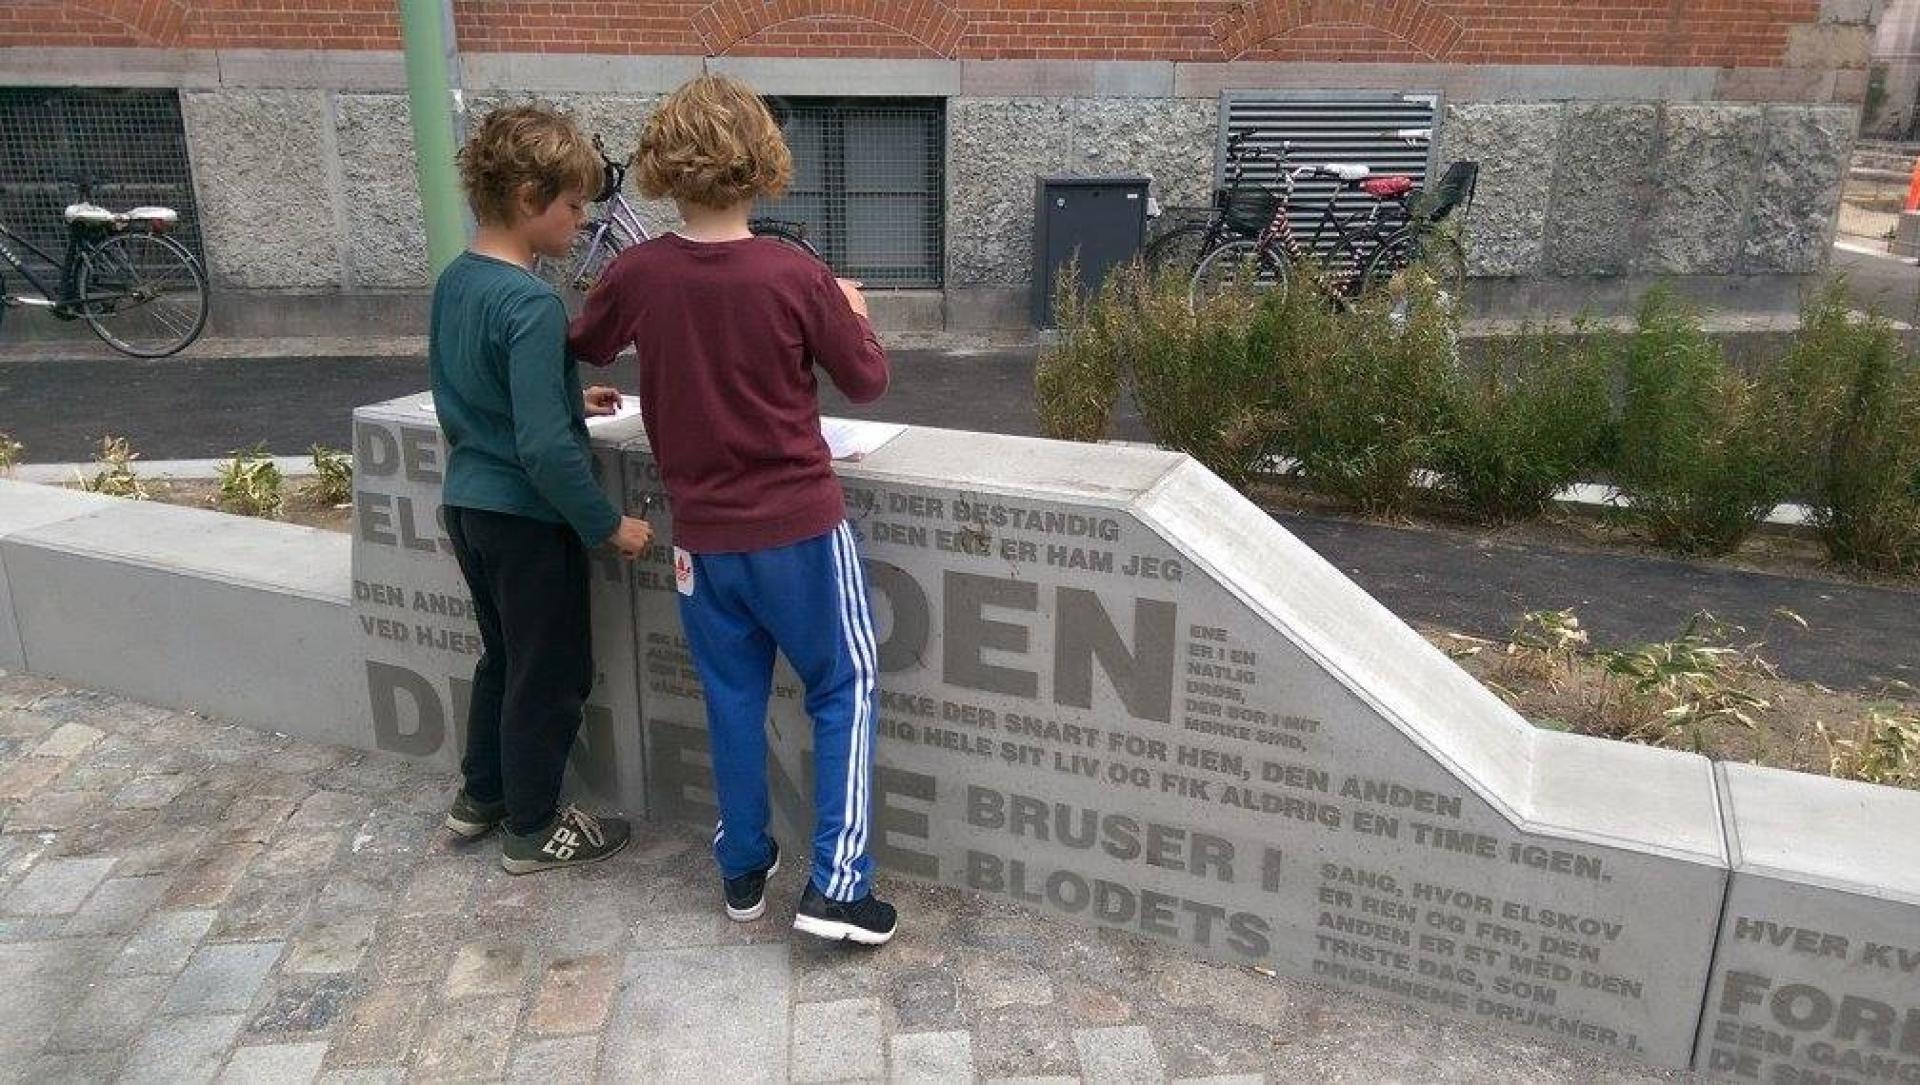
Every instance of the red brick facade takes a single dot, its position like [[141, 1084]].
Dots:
[[1713, 33]]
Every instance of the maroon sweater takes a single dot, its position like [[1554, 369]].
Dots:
[[728, 333]]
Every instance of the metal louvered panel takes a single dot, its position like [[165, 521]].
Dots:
[[1322, 127]]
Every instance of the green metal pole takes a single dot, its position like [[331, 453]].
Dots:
[[427, 27]]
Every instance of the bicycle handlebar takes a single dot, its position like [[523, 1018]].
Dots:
[[616, 172]]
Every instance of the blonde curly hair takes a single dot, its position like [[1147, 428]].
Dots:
[[714, 144], [525, 145]]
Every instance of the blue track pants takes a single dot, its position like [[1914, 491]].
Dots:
[[809, 601]]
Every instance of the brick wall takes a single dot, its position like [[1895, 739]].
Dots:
[[1714, 33]]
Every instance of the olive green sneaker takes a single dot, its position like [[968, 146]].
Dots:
[[471, 820], [574, 837]]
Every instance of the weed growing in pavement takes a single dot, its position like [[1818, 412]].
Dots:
[[332, 482], [115, 476], [250, 484], [1884, 748]]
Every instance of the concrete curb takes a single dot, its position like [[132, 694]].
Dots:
[[59, 474]]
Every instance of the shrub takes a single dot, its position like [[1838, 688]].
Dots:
[[1852, 398], [1202, 375], [1077, 379], [10, 451], [332, 482], [250, 484], [1884, 748], [115, 477], [1662, 692], [1366, 391], [1530, 419], [1699, 461]]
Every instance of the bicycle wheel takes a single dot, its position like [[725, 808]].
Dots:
[[144, 295], [1238, 264], [1434, 253], [786, 233], [1176, 251], [593, 249]]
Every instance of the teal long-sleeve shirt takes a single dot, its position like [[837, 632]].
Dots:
[[509, 399]]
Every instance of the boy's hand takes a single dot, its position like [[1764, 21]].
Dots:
[[602, 401], [855, 300], [631, 537]]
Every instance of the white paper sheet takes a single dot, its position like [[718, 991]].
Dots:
[[850, 439]]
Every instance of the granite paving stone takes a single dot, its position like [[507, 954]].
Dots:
[[274, 1064], [838, 1041], [380, 1027], [331, 945], [707, 1013], [487, 968], [113, 1014], [211, 876], [52, 811], [222, 978], [24, 778], [150, 792], [56, 887], [541, 1062], [1118, 1056], [71, 1068], [932, 1057], [163, 944], [181, 1049], [468, 1040], [314, 924], [44, 981], [300, 1006], [118, 906], [68, 740], [575, 995]]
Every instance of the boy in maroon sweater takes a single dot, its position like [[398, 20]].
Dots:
[[729, 329]]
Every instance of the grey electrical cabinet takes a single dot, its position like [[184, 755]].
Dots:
[[1102, 220]]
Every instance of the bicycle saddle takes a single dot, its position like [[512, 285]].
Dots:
[[1346, 171], [91, 214], [1391, 187]]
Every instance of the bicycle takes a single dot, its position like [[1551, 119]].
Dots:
[[1248, 236], [616, 226], [143, 293]]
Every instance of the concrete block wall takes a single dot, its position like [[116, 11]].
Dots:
[[1112, 692], [1596, 178], [180, 607]]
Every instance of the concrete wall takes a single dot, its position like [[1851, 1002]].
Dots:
[[1112, 691], [1596, 179]]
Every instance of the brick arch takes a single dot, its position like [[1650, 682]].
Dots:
[[161, 22], [724, 24], [1431, 32]]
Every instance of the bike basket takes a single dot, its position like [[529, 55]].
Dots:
[[1249, 210]]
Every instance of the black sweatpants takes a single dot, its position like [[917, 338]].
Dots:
[[529, 584]]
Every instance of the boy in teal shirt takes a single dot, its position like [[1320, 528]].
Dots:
[[522, 506]]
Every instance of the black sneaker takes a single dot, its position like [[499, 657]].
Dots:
[[472, 820], [747, 894], [575, 837], [868, 921]]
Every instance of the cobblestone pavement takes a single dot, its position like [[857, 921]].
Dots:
[[183, 900]]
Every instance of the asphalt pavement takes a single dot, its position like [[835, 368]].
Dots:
[[198, 408], [1861, 637]]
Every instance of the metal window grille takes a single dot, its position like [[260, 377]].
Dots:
[[1327, 127], [869, 180], [131, 142]]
